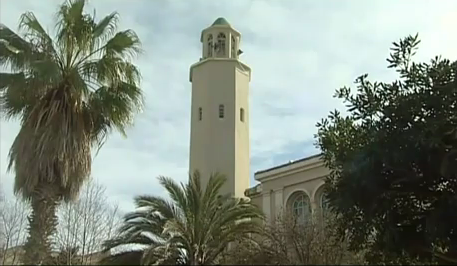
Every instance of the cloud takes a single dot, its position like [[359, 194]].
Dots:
[[299, 51]]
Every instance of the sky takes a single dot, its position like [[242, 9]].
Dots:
[[300, 52]]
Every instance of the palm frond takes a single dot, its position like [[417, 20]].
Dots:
[[176, 193], [193, 194], [15, 52], [74, 31], [113, 107], [36, 34], [106, 27], [215, 183], [14, 97], [230, 236], [109, 70], [154, 227], [132, 239], [175, 214], [125, 44], [161, 255], [35, 56], [196, 226], [195, 182], [130, 257], [165, 209], [63, 146]]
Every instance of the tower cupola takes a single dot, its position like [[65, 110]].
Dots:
[[220, 40]]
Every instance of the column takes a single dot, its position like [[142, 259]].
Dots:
[[279, 202], [266, 205]]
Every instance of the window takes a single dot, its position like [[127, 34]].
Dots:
[[210, 45], [221, 111], [324, 203], [200, 114], [233, 50], [301, 207], [220, 48], [241, 114]]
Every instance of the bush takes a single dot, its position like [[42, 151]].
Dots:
[[289, 241]]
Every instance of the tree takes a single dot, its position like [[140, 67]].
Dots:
[[393, 160], [287, 241], [68, 256], [194, 227], [69, 93], [13, 222], [84, 225]]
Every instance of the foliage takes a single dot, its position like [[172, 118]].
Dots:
[[287, 241], [194, 227], [69, 92], [393, 160]]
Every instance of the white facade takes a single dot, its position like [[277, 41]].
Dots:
[[296, 186]]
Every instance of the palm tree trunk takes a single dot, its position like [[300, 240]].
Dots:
[[42, 224]]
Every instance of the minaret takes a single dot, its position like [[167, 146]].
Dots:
[[219, 138]]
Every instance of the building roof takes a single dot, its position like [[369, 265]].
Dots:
[[287, 164], [221, 21]]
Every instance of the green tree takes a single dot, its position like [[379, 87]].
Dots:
[[194, 228], [69, 92], [393, 160]]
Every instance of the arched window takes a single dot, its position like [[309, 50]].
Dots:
[[301, 208], [233, 50], [210, 45], [241, 114], [221, 111], [324, 203], [200, 114], [220, 48]]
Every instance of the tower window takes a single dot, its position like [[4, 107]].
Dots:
[[220, 47], [210, 45], [200, 114], [221, 111], [233, 47], [241, 114]]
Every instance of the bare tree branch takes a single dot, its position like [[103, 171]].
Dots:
[[13, 221], [288, 241], [84, 225]]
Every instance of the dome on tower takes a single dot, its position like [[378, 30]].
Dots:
[[221, 21]]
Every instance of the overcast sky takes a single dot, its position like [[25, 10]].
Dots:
[[299, 51]]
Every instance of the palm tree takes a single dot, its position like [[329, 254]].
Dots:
[[195, 227], [69, 93]]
